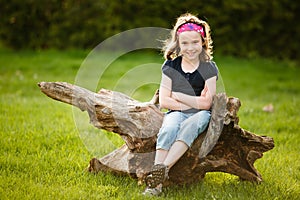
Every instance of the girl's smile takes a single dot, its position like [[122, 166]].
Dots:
[[190, 43]]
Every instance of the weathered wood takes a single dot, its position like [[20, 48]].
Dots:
[[215, 126], [224, 147]]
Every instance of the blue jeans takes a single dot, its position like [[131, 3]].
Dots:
[[179, 126]]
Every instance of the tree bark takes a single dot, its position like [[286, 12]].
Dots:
[[223, 147]]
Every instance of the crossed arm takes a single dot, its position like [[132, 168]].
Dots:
[[179, 101]]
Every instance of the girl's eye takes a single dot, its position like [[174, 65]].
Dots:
[[196, 41], [184, 43]]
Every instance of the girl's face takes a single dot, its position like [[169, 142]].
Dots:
[[190, 43]]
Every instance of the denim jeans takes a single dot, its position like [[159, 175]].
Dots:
[[179, 126]]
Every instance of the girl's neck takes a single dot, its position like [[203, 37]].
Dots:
[[189, 65]]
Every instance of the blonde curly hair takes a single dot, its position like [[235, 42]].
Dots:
[[171, 46]]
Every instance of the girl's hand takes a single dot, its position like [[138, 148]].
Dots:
[[204, 92]]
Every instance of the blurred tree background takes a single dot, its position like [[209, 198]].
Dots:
[[245, 28]]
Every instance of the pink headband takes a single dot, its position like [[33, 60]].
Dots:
[[191, 27]]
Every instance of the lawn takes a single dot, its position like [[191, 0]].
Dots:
[[44, 154]]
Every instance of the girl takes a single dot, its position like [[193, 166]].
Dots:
[[187, 88]]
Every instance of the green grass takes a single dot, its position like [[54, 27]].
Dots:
[[43, 154]]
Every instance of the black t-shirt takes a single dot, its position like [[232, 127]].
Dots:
[[189, 83]]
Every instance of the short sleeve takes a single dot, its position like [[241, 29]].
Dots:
[[209, 70], [167, 68]]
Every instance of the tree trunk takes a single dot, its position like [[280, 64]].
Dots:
[[223, 147]]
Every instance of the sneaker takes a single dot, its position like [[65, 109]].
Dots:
[[158, 175], [153, 191]]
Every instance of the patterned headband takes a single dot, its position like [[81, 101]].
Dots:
[[191, 27]]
